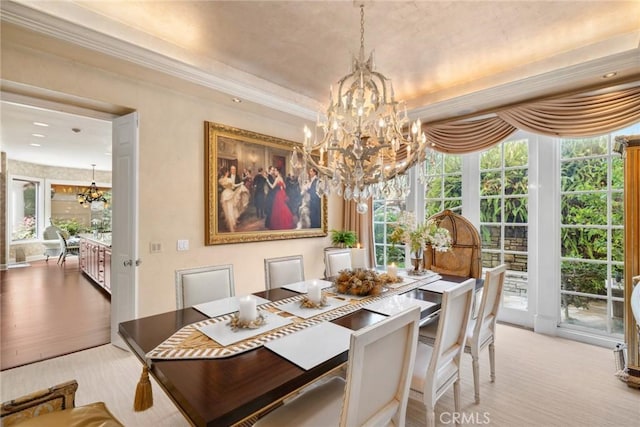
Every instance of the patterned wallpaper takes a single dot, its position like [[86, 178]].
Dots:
[[53, 172]]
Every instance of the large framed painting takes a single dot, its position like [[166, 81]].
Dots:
[[254, 193]]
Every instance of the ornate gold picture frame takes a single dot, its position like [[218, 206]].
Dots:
[[252, 191]]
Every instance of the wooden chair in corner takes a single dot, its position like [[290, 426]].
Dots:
[[465, 257]]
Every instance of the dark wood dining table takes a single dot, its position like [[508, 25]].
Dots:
[[226, 391]]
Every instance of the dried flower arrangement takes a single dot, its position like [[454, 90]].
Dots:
[[359, 282], [307, 303]]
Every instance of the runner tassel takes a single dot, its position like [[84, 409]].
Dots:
[[144, 394]]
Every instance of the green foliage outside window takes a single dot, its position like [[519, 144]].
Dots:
[[444, 190], [385, 217], [591, 202]]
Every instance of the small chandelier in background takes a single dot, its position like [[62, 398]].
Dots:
[[363, 151], [92, 194]]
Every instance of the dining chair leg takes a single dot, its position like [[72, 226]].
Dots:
[[456, 398], [431, 417], [492, 361], [475, 362]]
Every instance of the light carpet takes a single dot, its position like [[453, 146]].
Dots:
[[540, 381]]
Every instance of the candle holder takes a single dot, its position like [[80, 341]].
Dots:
[[387, 278], [307, 303], [236, 323]]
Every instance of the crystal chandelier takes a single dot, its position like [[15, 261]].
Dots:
[[92, 194], [364, 151]]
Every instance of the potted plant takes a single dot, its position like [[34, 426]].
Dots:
[[343, 238]]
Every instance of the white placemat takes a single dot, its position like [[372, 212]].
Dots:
[[396, 304], [223, 306], [312, 346], [222, 333], [438, 286], [301, 287], [305, 313]]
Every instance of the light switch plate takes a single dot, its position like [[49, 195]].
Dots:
[[183, 245]]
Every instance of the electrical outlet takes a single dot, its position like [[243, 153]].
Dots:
[[155, 247], [183, 245]]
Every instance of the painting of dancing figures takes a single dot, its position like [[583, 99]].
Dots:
[[255, 191]]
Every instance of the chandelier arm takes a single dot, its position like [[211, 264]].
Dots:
[[324, 170]]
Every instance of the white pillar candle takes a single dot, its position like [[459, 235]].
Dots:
[[314, 293], [392, 271], [358, 257], [247, 309]]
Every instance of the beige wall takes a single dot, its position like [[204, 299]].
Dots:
[[171, 169]]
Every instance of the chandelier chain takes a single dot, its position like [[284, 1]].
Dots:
[[362, 30]]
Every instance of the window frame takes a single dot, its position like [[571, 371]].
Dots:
[[39, 210]]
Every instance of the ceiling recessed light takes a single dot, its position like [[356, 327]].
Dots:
[[76, 130], [236, 100], [37, 135], [609, 75], [33, 144], [40, 124]]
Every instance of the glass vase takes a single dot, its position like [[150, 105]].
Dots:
[[416, 261]]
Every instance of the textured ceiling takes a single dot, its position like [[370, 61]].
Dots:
[[445, 58]]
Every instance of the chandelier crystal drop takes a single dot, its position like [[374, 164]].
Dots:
[[92, 194], [364, 151]]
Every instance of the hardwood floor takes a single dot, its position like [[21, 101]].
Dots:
[[48, 310]]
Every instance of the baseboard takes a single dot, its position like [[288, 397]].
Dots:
[[588, 338]]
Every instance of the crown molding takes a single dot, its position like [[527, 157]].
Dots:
[[284, 100]]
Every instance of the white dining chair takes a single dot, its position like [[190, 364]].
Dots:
[[335, 261], [481, 331], [437, 368], [203, 284], [376, 389], [283, 271]]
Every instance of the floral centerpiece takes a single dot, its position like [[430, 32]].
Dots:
[[416, 236]]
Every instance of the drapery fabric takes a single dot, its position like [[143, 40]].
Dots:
[[577, 116], [362, 224], [580, 115], [573, 116], [467, 136]]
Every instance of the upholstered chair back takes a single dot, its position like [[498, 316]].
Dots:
[[203, 284], [283, 271], [444, 366], [336, 260]]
